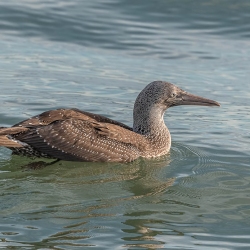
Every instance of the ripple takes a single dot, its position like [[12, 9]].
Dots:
[[185, 154], [85, 54], [143, 29]]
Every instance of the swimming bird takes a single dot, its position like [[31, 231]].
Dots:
[[75, 135]]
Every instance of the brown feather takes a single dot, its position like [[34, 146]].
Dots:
[[12, 130], [6, 142], [50, 116], [83, 140]]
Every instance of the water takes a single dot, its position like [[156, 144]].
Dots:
[[97, 56]]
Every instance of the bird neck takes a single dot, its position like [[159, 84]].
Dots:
[[148, 121]]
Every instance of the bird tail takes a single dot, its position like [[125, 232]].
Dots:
[[6, 139]]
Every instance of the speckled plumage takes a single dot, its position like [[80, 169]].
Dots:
[[75, 135]]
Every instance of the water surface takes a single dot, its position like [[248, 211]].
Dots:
[[97, 56]]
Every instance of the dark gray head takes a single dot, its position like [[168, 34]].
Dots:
[[165, 95], [153, 101], [155, 98]]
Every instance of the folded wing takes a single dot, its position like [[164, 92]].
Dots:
[[78, 136]]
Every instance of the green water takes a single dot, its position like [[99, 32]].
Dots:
[[97, 56]]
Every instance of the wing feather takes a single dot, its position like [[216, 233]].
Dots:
[[72, 134], [50, 116], [85, 140]]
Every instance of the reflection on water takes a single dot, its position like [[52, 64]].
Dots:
[[139, 204], [97, 56], [80, 198]]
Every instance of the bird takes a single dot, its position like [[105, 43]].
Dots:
[[76, 135]]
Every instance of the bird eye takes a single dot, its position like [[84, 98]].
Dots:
[[173, 95]]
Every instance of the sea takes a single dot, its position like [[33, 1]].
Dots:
[[97, 56]]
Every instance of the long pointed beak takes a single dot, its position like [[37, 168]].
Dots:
[[190, 99]]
